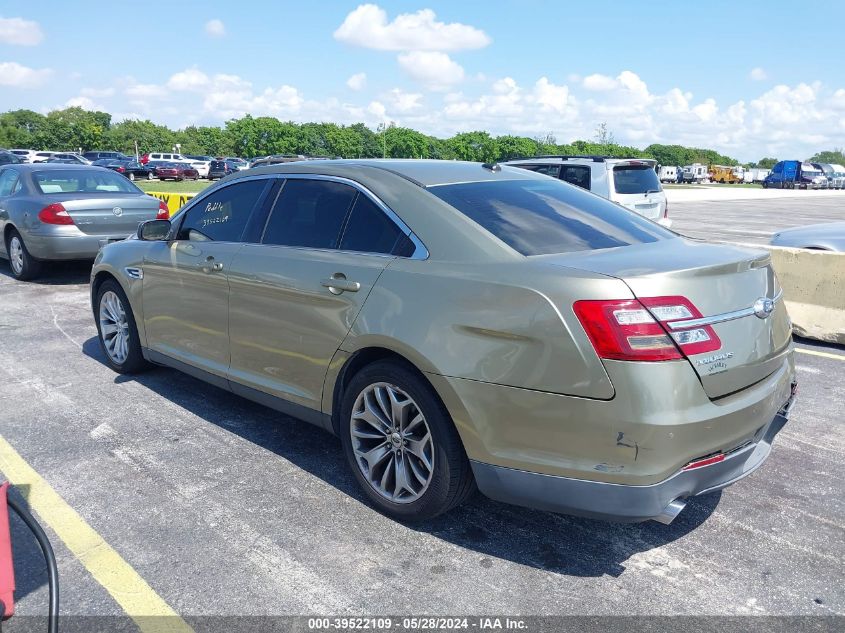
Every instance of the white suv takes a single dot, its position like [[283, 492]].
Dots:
[[26, 155], [170, 157], [631, 182]]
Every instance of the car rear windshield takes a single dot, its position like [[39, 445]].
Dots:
[[635, 179], [82, 181], [538, 217]]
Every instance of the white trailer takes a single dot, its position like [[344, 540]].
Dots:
[[668, 173], [696, 173], [756, 174]]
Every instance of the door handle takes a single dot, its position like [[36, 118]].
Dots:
[[210, 266], [338, 283]]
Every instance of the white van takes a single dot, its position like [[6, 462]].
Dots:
[[170, 157], [631, 182]]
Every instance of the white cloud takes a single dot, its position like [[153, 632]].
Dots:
[[215, 28], [19, 76], [758, 74], [402, 102], [20, 32], [551, 97], [434, 70], [188, 79], [145, 91], [368, 27], [97, 93], [86, 103], [358, 81], [599, 83]]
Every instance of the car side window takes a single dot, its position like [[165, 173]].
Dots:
[[222, 215], [9, 183], [548, 170], [370, 230], [578, 175], [309, 213]]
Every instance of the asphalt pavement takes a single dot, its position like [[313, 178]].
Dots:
[[225, 507]]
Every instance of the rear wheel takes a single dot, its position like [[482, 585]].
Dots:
[[401, 443], [149, 175], [117, 331], [132, 175], [24, 266]]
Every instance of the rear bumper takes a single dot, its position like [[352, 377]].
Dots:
[[627, 503], [69, 247]]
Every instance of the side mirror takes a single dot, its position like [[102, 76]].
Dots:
[[154, 230]]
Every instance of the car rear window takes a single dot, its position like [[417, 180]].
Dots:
[[82, 181], [635, 179], [538, 217]]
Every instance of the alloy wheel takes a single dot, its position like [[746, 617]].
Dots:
[[114, 327], [392, 443], [16, 254]]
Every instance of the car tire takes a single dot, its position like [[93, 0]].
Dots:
[[24, 266], [420, 448], [149, 175], [116, 329], [132, 176]]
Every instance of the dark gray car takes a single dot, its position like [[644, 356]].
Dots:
[[829, 236], [66, 212]]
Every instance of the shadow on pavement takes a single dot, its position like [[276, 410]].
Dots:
[[54, 273], [555, 543]]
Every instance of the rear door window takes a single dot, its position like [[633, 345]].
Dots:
[[635, 179], [578, 175], [8, 182], [309, 213], [223, 215], [537, 217], [370, 230]]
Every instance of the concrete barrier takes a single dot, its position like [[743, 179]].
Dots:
[[814, 289], [174, 201]]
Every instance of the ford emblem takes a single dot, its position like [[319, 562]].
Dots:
[[763, 307], [117, 211]]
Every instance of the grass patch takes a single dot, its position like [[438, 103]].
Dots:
[[168, 186]]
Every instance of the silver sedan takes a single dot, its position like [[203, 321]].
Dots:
[[66, 212], [829, 236]]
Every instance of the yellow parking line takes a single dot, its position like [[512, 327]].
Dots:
[[813, 352], [149, 611]]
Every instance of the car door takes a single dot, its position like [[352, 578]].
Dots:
[[185, 280], [295, 296]]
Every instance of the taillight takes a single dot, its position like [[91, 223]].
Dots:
[[121, 169], [163, 211], [631, 329], [55, 214]]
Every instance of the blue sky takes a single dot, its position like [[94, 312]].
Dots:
[[744, 78]]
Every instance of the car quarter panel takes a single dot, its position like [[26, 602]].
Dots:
[[490, 323]]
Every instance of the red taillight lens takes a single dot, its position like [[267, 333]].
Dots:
[[625, 330], [705, 461], [163, 211], [632, 329], [54, 214], [121, 169]]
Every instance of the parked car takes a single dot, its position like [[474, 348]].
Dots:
[[42, 157], [829, 236], [64, 212], [460, 325], [26, 155], [238, 163], [792, 174], [98, 155], [169, 157], [633, 183], [176, 171], [277, 159], [200, 163], [68, 158], [128, 168], [8, 158], [220, 168]]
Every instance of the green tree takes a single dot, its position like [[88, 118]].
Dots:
[[203, 140], [511, 147], [473, 146], [403, 142], [72, 129], [18, 128], [834, 156], [150, 137], [766, 163]]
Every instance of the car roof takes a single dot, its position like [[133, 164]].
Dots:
[[554, 160], [424, 173]]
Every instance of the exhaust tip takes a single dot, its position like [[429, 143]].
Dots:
[[671, 511]]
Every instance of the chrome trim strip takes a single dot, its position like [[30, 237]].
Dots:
[[718, 318]]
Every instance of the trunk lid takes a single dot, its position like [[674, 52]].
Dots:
[[721, 281], [109, 214]]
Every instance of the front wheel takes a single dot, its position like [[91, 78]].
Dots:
[[117, 331], [401, 443], [132, 176], [149, 175], [24, 266]]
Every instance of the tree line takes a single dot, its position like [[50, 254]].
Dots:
[[74, 128]]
